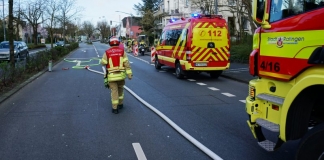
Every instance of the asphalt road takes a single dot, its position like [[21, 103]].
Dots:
[[66, 114]]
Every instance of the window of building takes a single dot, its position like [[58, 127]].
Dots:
[[245, 23], [231, 2]]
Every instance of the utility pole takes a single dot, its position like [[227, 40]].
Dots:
[[3, 23], [216, 9]]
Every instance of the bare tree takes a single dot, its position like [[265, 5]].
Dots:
[[69, 10], [242, 11], [17, 19], [103, 28], [88, 28], [51, 11], [204, 6], [33, 13]]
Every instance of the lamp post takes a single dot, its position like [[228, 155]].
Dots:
[[131, 32]]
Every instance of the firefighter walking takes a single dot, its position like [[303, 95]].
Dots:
[[117, 69]]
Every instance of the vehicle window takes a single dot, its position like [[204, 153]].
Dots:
[[183, 36], [172, 37], [162, 37], [4, 45], [281, 9]]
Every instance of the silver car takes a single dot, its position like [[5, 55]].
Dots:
[[20, 50]]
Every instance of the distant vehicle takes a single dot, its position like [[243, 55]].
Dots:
[[196, 44], [20, 50], [60, 44]]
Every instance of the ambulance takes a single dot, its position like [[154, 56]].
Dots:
[[197, 44]]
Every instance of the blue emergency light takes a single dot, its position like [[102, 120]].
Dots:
[[195, 15]]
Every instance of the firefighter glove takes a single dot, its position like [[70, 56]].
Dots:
[[130, 76], [106, 83]]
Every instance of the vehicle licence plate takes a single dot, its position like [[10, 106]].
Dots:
[[142, 49], [200, 64]]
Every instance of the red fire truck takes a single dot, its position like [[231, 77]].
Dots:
[[288, 58]]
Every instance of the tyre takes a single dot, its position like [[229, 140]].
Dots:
[[157, 64], [215, 74], [179, 71], [311, 146]]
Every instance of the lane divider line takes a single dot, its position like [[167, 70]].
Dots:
[[228, 95], [139, 151], [213, 88], [171, 123], [243, 101], [202, 84]]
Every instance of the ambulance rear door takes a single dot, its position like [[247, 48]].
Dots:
[[210, 42]]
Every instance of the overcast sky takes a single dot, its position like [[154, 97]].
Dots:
[[96, 10]]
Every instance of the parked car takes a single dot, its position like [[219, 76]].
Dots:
[[59, 43], [20, 50]]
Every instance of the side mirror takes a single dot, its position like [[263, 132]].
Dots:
[[261, 13]]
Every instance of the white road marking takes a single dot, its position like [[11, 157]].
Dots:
[[202, 84], [171, 123], [243, 101], [79, 63], [192, 80], [213, 88], [228, 94], [139, 151]]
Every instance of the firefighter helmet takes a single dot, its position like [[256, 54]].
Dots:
[[114, 41]]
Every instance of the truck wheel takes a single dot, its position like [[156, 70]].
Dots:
[[311, 145], [157, 64], [178, 71], [215, 74]]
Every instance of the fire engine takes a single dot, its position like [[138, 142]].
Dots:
[[288, 55], [196, 44]]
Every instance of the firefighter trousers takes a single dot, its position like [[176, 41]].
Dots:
[[117, 93]]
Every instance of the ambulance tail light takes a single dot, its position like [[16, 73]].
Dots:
[[253, 63], [253, 60], [188, 55]]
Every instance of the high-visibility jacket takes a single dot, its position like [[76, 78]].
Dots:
[[117, 64]]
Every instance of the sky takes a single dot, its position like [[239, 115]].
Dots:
[[97, 10]]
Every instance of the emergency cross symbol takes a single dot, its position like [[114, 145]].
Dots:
[[81, 63], [202, 33]]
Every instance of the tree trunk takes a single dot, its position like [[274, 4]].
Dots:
[[35, 34], [10, 34]]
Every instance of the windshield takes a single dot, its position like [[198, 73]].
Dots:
[[5, 45], [281, 9]]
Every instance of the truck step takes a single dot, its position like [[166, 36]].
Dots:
[[270, 98], [267, 145], [268, 125]]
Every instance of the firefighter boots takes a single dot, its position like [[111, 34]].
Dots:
[[120, 106], [115, 111]]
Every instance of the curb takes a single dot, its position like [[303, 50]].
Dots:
[[8, 94], [235, 79]]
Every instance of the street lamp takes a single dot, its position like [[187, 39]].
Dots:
[[131, 32]]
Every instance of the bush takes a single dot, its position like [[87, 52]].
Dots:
[[33, 46], [241, 52]]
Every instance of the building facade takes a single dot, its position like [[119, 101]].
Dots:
[[232, 11]]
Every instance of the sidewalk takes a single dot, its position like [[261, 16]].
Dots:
[[238, 72]]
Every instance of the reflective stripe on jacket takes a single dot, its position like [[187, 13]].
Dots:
[[117, 64]]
